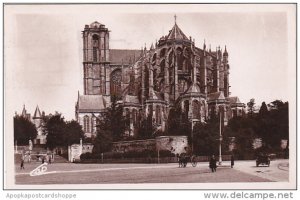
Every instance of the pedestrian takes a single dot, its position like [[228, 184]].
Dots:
[[22, 164], [49, 159], [213, 164], [232, 161], [43, 160]]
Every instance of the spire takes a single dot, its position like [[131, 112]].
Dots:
[[37, 113], [175, 17], [142, 52], [225, 52], [24, 111], [145, 49], [152, 47], [176, 33], [204, 48]]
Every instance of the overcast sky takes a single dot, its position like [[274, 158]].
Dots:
[[43, 47]]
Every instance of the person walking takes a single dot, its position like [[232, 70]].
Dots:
[[232, 161], [213, 164], [22, 164]]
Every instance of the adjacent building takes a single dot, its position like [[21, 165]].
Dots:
[[38, 120]]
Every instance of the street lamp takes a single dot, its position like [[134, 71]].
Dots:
[[192, 136], [220, 140]]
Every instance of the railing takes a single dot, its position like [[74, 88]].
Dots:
[[149, 160]]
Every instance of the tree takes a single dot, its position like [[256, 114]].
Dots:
[[73, 133], [263, 111], [250, 105], [243, 129], [274, 126], [102, 142], [147, 129], [55, 128], [110, 127], [277, 104], [113, 120], [271, 126], [178, 122], [206, 138], [24, 130]]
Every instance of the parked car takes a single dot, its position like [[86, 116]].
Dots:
[[263, 159]]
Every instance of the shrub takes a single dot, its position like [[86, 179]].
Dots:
[[166, 153], [86, 156]]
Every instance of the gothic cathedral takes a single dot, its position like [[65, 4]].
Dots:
[[173, 72]]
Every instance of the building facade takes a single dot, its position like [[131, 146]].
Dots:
[[38, 120], [149, 82]]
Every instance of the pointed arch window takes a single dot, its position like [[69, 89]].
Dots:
[[186, 108], [86, 124], [115, 83], [127, 117], [95, 43], [134, 117], [182, 85], [196, 109], [158, 114]]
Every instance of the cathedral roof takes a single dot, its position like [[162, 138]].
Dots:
[[153, 95], [194, 88], [91, 103], [216, 96], [95, 24], [176, 33], [119, 56], [37, 113], [233, 100], [131, 99]]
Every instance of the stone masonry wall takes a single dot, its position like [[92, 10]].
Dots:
[[175, 144]]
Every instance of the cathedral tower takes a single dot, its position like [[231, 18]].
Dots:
[[96, 59]]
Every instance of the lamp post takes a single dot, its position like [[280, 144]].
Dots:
[[220, 141], [192, 136]]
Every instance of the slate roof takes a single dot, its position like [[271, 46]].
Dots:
[[233, 100], [176, 33], [91, 103], [37, 113], [194, 88], [131, 99], [216, 96], [154, 95], [117, 56]]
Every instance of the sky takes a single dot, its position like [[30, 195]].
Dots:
[[43, 47]]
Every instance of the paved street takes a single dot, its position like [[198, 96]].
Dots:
[[64, 173]]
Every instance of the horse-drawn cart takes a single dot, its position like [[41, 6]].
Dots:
[[183, 159]]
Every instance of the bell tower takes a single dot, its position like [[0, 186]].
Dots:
[[96, 59]]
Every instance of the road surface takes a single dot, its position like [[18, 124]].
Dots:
[[69, 173]]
